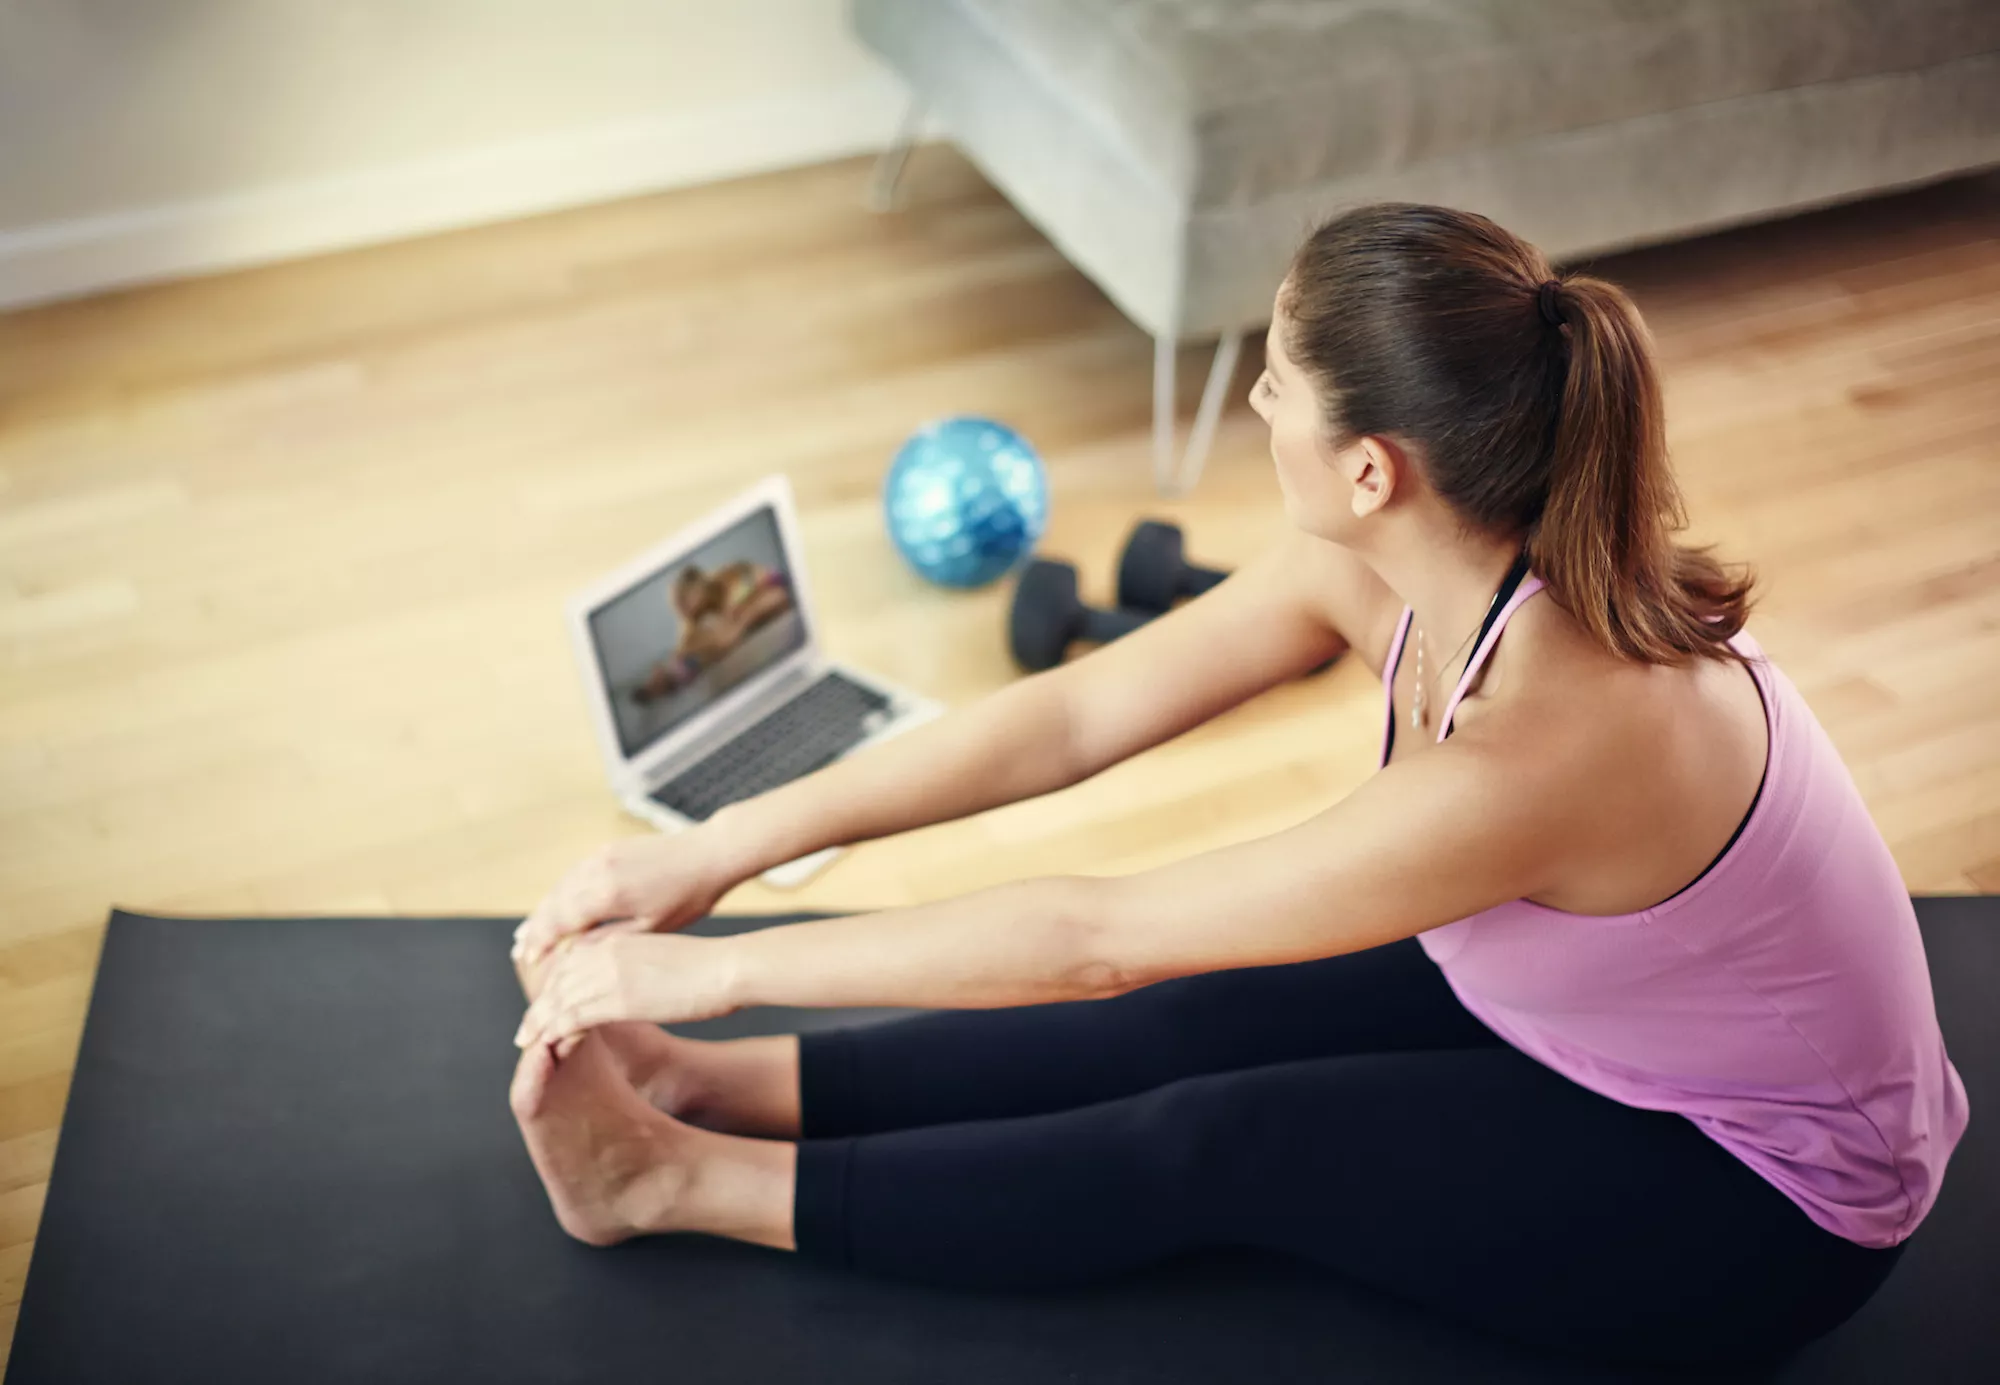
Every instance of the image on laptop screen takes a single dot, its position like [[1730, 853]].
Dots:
[[699, 626]]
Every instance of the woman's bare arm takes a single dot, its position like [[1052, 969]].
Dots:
[[1443, 835], [1265, 624], [1495, 814]]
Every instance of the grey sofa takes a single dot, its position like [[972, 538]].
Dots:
[[1177, 150]]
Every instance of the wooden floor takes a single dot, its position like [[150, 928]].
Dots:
[[283, 553]]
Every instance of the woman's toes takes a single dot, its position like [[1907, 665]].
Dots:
[[612, 1166]]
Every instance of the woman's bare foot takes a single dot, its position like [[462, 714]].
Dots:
[[659, 1066], [613, 1166], [616, 1168], [736, 1086]]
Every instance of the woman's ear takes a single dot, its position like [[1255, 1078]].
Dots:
[[1375, 466]]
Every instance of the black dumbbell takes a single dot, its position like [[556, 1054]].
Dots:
[[1048, 617], [1153, 573]]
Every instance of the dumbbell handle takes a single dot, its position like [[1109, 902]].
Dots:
[[1196, 580], [1046, 617], [1102, 627]]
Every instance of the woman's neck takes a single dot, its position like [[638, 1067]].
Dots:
[[1448, 583]]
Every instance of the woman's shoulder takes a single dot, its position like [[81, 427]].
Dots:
[[1565, 672], [1558, 703], [1645, 768]]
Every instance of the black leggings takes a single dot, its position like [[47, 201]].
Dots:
[[1348, 1110]]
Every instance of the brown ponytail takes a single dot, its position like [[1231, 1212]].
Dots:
[[1432, 326]]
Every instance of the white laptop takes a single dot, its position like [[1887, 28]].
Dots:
[[706, 678]]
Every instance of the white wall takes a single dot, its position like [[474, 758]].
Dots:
[[144, 139]]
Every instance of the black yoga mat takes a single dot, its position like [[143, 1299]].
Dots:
[[288, 1157]]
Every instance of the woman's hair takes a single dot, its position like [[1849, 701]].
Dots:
[[1431, 326]]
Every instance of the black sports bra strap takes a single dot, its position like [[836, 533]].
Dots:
[[1508, 584], [1501, 596]]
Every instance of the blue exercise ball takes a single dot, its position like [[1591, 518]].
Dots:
[[966, 499]]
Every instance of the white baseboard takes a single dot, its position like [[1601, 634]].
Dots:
[[65, 259]]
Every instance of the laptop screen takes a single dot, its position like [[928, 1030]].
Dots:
[[705, 623]]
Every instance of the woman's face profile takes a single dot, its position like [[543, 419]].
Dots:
[[1319, 481], [1285, 399]]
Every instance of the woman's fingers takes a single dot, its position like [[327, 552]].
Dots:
[[632, 885], [541, 1006], [561, 1020], [540, 931], [552, 1027], [592, 893], [560, 915], [611, 976], [527, 939], [546, 1019], [574, 997], [531, 1080]]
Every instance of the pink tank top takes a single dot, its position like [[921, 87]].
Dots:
[[1781, 1002]]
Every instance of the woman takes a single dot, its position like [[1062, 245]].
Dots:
[[1598, 1017]]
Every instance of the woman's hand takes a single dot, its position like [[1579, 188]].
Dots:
[[645, 884], [606, 977]]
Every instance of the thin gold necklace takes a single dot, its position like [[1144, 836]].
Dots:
[[1420, 700]]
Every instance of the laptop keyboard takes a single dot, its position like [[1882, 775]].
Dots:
[[811, 730]]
